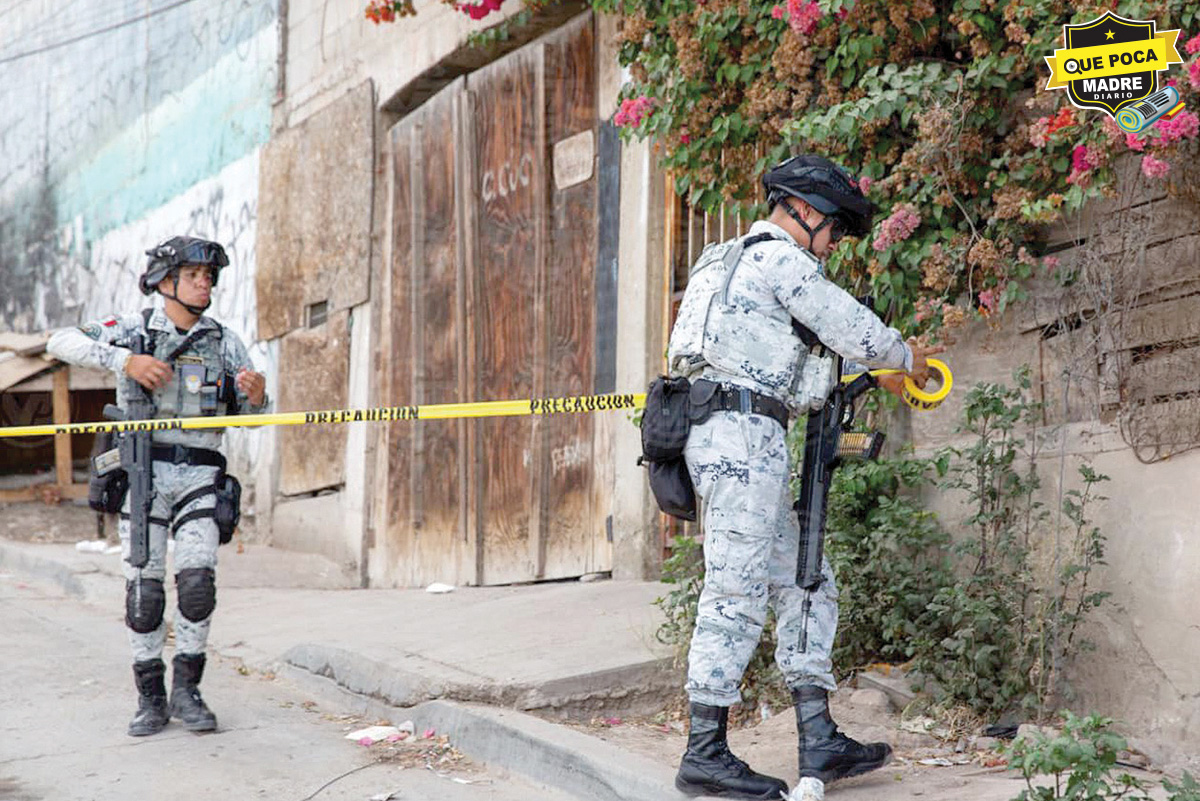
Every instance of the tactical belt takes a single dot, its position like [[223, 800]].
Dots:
[[181, 454], [740, 399]]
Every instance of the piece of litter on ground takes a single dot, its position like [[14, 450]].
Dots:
[[407, 727], [437, 588], [429, 734], [372, 734], [385, 796], [808, 789], [91, 546], [937, 762]]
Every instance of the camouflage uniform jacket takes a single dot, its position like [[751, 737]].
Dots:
[[106, 344], [773, 283]]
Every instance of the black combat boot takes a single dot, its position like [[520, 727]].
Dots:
[[708, 768], [151, 714], [186, 703], [826, 753]]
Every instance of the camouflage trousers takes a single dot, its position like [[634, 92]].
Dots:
[[196, 544], [740, 467]]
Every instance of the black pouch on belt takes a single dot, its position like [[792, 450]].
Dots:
[[666, 422], [229, 506], [107, 480]]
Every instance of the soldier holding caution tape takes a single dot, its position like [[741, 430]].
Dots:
[[171, 361], [750, 339]]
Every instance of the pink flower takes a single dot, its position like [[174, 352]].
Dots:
[[1135, 142], [1050, 263], [1039, 131], [685, 138], [365, 741], [1079, 162], [864, 184], [633, 110], [1154, 168], [1194, 73], [1193, 45], [803, 16], [989, 299], [1184, 125], [429, 734], [777, 12], [897, 227]]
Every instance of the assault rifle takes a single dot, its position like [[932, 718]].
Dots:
[[134, 447], [827, 442]]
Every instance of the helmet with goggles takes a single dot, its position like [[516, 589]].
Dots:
[[823, 185], [180, 251]]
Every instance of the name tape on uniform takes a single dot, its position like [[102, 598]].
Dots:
[[440, 411]]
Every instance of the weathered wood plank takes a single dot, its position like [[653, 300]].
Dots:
[[508, 146], [314, 367], [570, 301]]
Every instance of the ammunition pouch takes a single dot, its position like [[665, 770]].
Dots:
[[106, 487], [229, 506]]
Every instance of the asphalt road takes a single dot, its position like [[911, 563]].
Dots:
[[66, 696]]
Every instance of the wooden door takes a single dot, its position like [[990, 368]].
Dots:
[[493, 275]]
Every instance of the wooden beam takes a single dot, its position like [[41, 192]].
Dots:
[[62, 415]]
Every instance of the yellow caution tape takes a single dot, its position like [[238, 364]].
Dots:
[[914, 396], [439, 411]]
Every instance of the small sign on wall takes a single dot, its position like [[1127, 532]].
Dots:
[[574, 159]]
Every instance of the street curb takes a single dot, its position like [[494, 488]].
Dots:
[[570, 760], [44, 569], [625, 690], [552, 754]]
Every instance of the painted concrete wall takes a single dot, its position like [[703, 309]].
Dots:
[[123, 126], [1147, 635]]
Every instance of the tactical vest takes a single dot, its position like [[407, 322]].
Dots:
[[744, 343], [199, 385]]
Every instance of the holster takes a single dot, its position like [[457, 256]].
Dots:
[[228, 510]]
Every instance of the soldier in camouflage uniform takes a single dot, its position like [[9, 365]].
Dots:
[[193, 366], [738, 337]]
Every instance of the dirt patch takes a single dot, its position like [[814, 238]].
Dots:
[[61, 522], [923, 765]]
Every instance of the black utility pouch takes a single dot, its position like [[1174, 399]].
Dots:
[[106, 491], [666, 422], [229, 506]]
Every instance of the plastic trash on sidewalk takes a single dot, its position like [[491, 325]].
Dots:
[[91, 546], [437, 588], [808, 789], [375, 734]]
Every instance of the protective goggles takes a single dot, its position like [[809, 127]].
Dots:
[[209, 253]]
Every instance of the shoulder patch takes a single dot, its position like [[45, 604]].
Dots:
[[91, 329]]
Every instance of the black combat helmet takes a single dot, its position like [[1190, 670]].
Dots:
[[177, 252], [823, 185]]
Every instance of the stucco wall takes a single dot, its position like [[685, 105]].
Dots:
[[1147, 635]]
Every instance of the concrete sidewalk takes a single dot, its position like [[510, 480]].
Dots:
[[567, 649]]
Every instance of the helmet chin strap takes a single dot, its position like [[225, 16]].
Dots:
[[812, 232], [196, 310]]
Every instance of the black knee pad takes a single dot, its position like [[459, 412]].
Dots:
[[197, 592], [145, 600]]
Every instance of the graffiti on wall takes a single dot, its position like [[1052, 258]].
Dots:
[[100, 134]]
